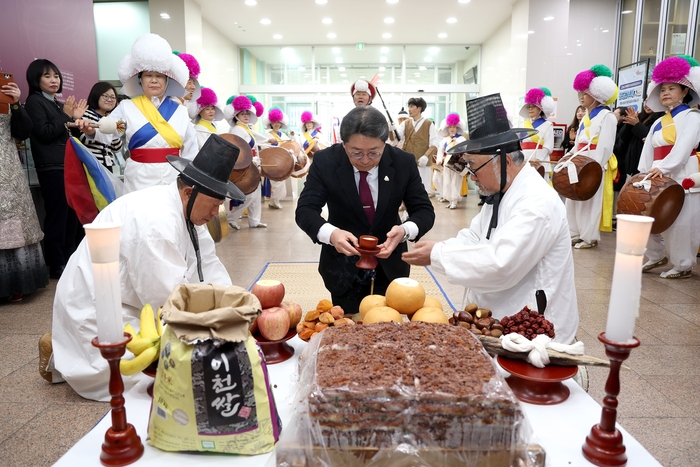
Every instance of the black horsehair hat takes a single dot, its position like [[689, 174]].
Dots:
[[211, 169], [489, 130]]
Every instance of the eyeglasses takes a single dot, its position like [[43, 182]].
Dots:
[[474, 171], [374, 155], [108, 97]]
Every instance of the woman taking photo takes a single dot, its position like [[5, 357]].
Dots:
[[48, 142]]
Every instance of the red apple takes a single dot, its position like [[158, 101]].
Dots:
[[269, 292], [294, 310], [254, 326], [273, 323]]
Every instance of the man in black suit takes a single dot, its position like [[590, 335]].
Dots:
[[363, 181]]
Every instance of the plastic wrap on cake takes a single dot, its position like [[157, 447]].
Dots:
[[394, 394]]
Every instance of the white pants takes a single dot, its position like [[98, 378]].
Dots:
[[139, 175], [451, 185], [584, 217], [426, 176], [437, 181], [253, 204], [278, 192], [680, 241]]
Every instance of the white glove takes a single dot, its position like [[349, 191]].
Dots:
[[423, 161], [256, 161], [391, 128]]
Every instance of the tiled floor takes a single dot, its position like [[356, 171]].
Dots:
[[658, 404]]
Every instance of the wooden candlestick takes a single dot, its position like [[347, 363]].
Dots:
[[122, 446], [603, 445]]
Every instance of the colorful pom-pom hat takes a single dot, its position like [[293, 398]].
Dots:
[[597, 83], [541, 98], [307, 117], [452, 119], [206, 99], [275, 115], [363, 86], [236, 105], [150, 52], [682, 69], [194, 69]]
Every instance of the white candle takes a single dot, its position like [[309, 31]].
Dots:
[[632, 236], [103, 243]]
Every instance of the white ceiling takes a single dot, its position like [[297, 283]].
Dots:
[[299, 22]]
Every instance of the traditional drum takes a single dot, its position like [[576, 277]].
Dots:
[[540, 170], [218, 225], [456, 162], [246, 155], [300, 157], [276, 163], [304, 164], [662, 200], [247, 180], [590, 174]]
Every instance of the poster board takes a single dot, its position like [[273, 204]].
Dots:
[[632, 81]]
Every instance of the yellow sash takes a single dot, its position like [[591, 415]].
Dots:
[[274, 134], [161, 125], [528, 124], [311, 141], [208, 125], [609, 174], [247, 130], [668, 128]]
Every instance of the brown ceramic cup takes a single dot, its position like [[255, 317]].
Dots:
[[368, 242]]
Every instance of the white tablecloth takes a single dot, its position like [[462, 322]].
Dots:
[[561, 429]]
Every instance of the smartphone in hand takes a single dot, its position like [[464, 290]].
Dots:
[[5, 78]]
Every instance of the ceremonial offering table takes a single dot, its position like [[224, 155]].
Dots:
[[560, 429]]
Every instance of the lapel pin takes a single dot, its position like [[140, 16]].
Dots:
[[386, 178]]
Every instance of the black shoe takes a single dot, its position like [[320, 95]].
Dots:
[[56, 271]]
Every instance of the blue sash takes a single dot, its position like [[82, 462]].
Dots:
[[674, 112], [144, 134], [592, 115]]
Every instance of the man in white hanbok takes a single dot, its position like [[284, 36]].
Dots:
[[164, 242], [519, 242]]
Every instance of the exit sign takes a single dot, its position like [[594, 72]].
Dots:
[[360, 45]]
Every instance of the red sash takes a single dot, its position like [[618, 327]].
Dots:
[[661, 152], [592, 147], [153, 155], [528, 145]]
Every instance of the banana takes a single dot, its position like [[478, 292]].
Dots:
[[159, 321], [148, 322], [139, 344], [139, 363], [129, 329]]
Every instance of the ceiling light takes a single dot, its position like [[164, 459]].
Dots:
[[398, 77], [251, 2], [433, 50], [416, 74], [277, 36], [627, 12], [384, 50], [422, 68], [392, 1], [326, 21], [463, 1], [302, 68], [569, 53], [321, 2], [578, 45], [380, 74], [341, 68], [428, 59], [265, 21], [362, 76], [451, 20], [165, 16], [386, 35], [548, 18], [235, 22], [388, 20], [411, 81], [331, 35], [442, 35], [343, 75], [605, 30], [335, 50], [382, 68], [531, 32]]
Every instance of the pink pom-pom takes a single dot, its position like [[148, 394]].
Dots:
[[192, 65], [452, 120], [306, 117], [671, 70], [688, 183], [275, 115], [583, 80], [259, 109], [241, 103], [207, 98], [534, 96]]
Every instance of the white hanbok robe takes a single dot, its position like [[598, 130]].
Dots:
[[682, 238], [139, 175], [529, 250], [584, 216], [278, 190], [156, 254], [253, 201], [203, 133], [451, 181], [543, 147]]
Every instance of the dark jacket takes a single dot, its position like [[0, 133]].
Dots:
[[49, 135], [20, 124], [633, 137], [331, 181]]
